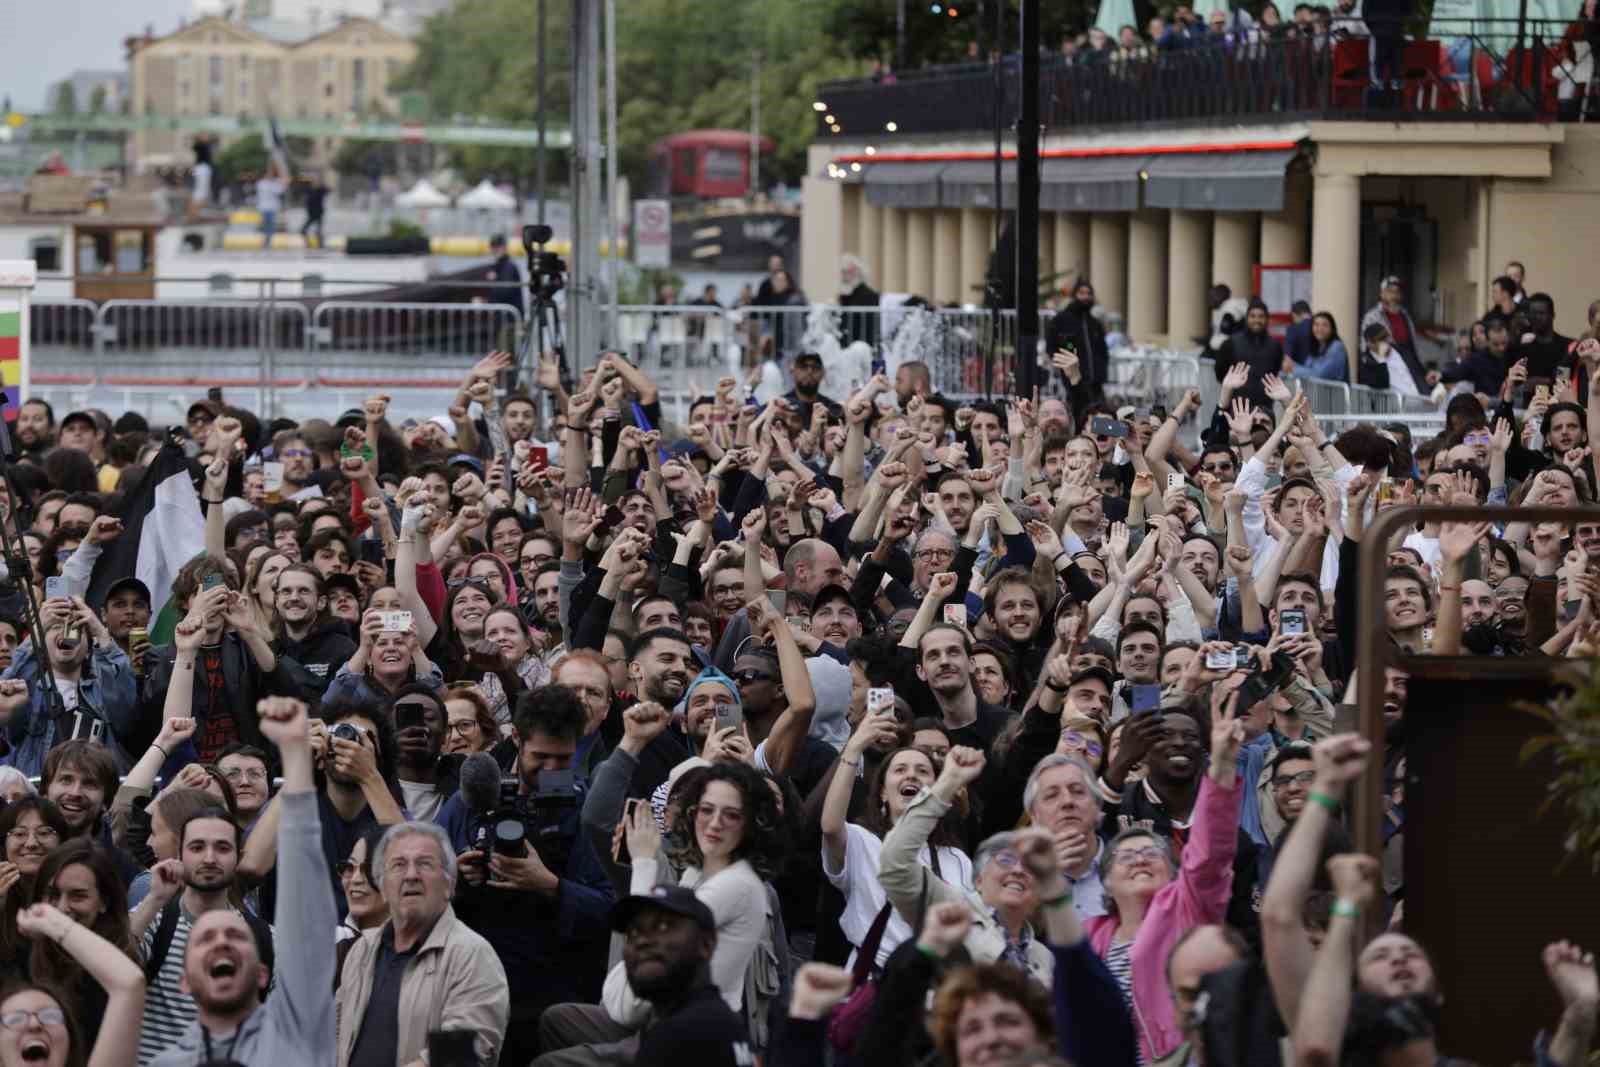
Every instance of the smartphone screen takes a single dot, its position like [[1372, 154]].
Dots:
[[1144, 698], [538, 457]]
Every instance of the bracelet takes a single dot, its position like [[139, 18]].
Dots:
[[1449, 589], [161, 750], [1054, 688], [1325, 800], [849, 763], [1056, 902], [1346, 909], [208, 500]]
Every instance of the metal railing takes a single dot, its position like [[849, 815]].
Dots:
[[1530, 70]]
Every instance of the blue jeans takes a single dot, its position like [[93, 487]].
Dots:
[[269, 226]]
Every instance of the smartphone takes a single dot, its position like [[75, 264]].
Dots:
[[55, 588], [1570, 609], [211, 581], [452, 1048], [619, 847], [1221, 660], [372, 551], [613, 517], [1174, 480], [1144, 699], [779, 599], [272, 476], [1291, 621], [1386, 491], [396, 622], [1105, 426], [538, 457], [1541, 392], [729, 715], [956, 615], [880, 700], [408, 714]]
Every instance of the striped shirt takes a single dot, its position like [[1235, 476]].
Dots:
[[1119, 961], [168, 1011]]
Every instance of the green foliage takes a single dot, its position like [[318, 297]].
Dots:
[[1573, 744], [636, 285], [97, 100], [249, 155], [400, 228], [66, 99]]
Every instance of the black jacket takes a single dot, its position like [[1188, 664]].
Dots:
[[245, 684], [1075, 324], [317, 658], [1262, 352]]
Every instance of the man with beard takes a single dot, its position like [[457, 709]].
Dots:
[[1076, 332], [292, 450], [544, 603], [226, 959], [1257, 349], [808, 374], [79, 777], [182, 892], [668, 938], [544, 911], [944, 663], [1012, 603], [911, 379], [307, 634], [809, 565], [835, 622], [1545, 350], [35, 428]]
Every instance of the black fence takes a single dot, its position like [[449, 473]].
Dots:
[[1529, 71]]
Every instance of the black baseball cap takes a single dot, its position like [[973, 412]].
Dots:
[[830, 593], [131, 422], [346, 582], [204, 407], [673, 898], [351, 417], [1094, 674], [80, 416], [808, 357], [122, 584]]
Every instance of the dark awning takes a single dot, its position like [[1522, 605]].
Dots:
[[903, 184], [970, 183], [1218, 181], [1090, 183]]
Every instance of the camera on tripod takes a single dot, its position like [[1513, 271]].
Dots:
[[534, 817], [546, 270]]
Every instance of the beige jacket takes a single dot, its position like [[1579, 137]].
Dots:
[[456, 982]]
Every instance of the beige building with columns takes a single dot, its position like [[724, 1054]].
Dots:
[[1153, 219]]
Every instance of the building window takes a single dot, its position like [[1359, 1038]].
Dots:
[[183, 89], [214, 69], [358, 80], [327, 67], [46, 254], [327, 90]]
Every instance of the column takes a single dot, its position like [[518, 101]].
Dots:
[[1284, 233], [820, 234], [919, 251], [1336, 251], [1233, 250], [1147, 275], [946, 255], [1188, 276], [1108, 260], [1071, 248], [871, 230], [977, 238], [894, 251], [854, 200]]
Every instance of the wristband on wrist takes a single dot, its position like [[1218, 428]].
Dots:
[[1346, 909], [1054, 688], [1058, 901], [161, 750], [1325, 801]]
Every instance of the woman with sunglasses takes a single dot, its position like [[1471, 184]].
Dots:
[[38, 1030], [367, 907]]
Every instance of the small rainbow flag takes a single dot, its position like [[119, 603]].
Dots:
[[11, 360]]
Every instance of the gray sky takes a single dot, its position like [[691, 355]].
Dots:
[[45, 40]]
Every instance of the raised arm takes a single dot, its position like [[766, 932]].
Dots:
[[1339, 760], [871, 730], [939, 588], [1572, 972], [787, 738], [1319, 1025], [117, 1041], [1456, 540]]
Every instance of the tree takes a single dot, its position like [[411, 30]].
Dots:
[[66, 99], [97, 100]]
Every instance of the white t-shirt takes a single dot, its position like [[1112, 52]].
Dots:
[[863, 893], [269, 194], [423, 800], [201, 192]]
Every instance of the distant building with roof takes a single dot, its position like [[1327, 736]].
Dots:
[[254, 62]]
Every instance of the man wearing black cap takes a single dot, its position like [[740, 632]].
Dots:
[[198, 419], [503, 270], [808, 375], [127, 608], [668, 938], [344, 597]]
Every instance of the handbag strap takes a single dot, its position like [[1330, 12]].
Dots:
[[867, 954]]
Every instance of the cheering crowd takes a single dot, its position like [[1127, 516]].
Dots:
[[870, 728]]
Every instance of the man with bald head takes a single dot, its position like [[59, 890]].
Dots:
[[810, 565], [1201, 951]]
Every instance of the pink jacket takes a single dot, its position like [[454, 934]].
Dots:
[[1198, 896]]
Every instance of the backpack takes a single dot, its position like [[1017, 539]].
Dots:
[[167, 929]]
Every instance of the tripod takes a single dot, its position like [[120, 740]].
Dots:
[[546, 278]]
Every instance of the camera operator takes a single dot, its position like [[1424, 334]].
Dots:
[[543, 903]]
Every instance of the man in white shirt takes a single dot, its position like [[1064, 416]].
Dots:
[[269, 201]]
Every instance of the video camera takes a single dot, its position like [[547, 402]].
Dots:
[[519, 818], [546, 270]]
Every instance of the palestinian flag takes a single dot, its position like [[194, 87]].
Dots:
[[162, 529]]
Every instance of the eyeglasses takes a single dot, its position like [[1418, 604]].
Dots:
[[45, 835], [245, 774], [750, 677], [16, 1020], [297, 453], [1284, 781], [1149, 853], [1078, 740], [346, 870], [1217, 468], [935, 555], [1006, 860], [462, 726]]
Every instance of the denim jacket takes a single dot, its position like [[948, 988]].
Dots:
[[107, 689]]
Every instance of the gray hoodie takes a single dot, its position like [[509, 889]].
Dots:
[[295, 1025]]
